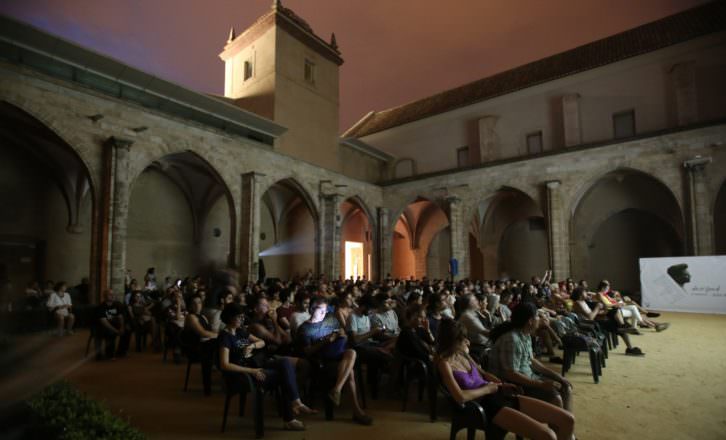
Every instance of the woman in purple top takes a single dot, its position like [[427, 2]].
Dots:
[[466, 381]]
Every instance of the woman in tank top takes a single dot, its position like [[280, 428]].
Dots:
[[466, 381]]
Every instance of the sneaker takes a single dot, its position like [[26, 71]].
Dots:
[[293, 425], [363, 419], [635, 351], [662, 326]]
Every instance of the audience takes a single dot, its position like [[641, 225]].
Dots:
[[199, 340], [110, 325], [500, 326], [59, 303]]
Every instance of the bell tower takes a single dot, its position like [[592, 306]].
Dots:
[[280, 69]]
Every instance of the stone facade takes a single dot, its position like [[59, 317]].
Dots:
[[118, 140]]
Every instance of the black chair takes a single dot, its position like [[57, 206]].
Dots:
[[574, 344], [413, 369], [470, 415], [246, 385]]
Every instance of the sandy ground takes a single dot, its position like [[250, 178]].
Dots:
[[677, 391]]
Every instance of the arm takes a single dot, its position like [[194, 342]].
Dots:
[[226, 365], [105, 322], [459, 395], [582, 309], [193, 322], [341, 318], [546, 372], [278, 337], [311, 348]]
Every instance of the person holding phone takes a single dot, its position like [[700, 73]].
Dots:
[[321, 337]]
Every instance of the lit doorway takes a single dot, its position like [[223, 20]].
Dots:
[[354, 259]]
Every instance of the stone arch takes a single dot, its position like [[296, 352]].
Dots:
[[357, 225], [211, 212], [624, 215], [54, 124], [58, 177], [296, 224], [577, 192], [512, 240], [304, 191], [422, 219]]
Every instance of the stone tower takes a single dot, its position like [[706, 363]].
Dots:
[[279, 69]]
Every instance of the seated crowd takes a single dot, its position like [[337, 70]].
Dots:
[[483, 340]]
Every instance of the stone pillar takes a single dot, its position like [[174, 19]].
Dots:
[[118, 179], [488, 138], [330, 237], [699, 218], [571, 119], [384, 246], [559, 242], [459, 244], [683, 76], [249, 227]]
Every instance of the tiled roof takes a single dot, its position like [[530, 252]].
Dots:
[[668, 31]]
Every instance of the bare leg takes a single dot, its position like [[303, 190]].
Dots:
[[522, 424], [562, 421], [345, 369], [354, 394], [70, 319]]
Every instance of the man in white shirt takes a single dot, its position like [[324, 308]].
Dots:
[[60, 304]]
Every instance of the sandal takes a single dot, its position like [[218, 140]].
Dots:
[[304, 410], [293, 425]]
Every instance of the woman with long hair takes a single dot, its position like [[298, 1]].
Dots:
[[466, 381]]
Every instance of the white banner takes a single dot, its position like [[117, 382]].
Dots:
[[684, 284]]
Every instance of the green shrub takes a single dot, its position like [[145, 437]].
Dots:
[[76, 417]]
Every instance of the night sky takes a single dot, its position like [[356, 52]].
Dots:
[[395, 51]]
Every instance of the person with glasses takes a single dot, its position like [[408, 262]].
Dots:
[[240, 352]]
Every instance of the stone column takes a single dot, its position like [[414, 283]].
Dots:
[[571, 119], [384, 246], [459, 245], [330, 238], [249, 227], [118, 179], [559, 242], [700, 220]]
